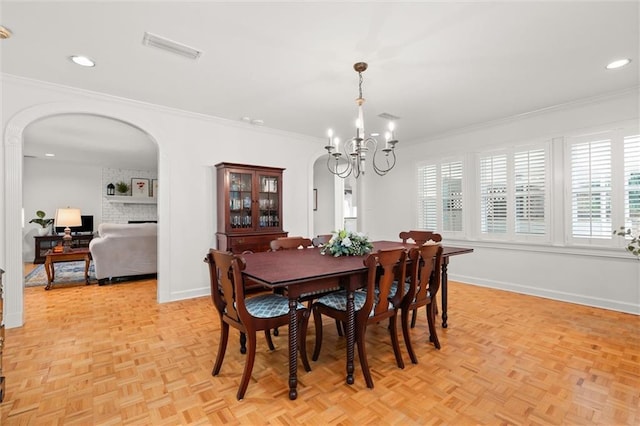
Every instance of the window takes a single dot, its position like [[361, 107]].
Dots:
[[493, 194], [632, 182], [440, 191], [604, 185], [512, 193], [530, 182], [451, 175], [591, 188]]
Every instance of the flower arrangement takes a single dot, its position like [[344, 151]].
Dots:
[[347, 243], [633, 246]]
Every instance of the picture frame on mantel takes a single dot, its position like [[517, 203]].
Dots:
[[154, 188], [140, 187]]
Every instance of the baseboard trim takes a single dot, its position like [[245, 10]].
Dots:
[[579, 299]]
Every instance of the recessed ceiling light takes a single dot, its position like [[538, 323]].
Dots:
[[618, 64], [49, 155], [82, 60]]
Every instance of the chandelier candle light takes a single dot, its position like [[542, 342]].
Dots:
[[355, 149]]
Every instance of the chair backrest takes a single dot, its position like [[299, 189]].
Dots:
[[384, 267], [426, 264], [289, 243], [420, 237], [321, 240], [227, 286]]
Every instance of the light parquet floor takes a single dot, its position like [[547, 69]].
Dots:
[[90, 355]]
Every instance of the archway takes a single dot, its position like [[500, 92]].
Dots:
[[13, 143]]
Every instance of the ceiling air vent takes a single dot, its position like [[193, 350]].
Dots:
[[154, 40], [388, 116]]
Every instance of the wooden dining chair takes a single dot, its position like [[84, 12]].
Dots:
[[371, 306], [420, 237], [293, 243], [289, 243], [248, 315], [321, 240], [423, 286]]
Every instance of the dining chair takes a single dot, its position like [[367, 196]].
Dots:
[[321, 240], [420, 237], [289, 243], [248, 314], [423, 286], [373, 305], [292, 243]]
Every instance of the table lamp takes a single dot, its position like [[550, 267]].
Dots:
[[67, 217]]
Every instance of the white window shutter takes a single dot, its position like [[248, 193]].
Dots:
[[451, 176], [591, 189]]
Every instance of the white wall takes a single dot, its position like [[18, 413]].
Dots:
[[49, 185], [603, 278], [189, 146], [323, 218]]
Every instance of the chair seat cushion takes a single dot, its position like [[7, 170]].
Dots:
[[394, 288], [338, 300], [269, 305]]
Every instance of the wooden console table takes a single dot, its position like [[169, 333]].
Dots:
[[72, 255], [47, 242]]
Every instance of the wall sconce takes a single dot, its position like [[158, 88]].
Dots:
[[111, 189]]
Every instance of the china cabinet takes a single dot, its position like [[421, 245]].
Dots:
[[249, 200]]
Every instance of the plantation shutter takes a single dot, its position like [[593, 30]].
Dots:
[[632, 181], [451, 174], [591, 189], [427, 196], [529, 169], [493, 194]]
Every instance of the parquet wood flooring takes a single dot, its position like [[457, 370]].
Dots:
[[110, 355]]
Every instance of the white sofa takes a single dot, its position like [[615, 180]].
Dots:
[[124, 250]]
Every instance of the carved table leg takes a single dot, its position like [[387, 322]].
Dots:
[[293, 349], [445, 266], [350, 336]]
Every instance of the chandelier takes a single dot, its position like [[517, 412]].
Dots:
[[355, 149]]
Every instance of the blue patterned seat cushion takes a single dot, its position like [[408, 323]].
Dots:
[[269, 306], [338, 300], [394, 288]]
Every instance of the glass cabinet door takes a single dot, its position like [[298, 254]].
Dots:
[[240, 200], [268, 201]]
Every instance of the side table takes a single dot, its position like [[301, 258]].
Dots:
[[70, 256]]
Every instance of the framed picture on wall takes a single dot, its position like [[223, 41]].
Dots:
[[139, 187], [154, 187]]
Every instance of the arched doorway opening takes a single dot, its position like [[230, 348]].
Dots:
[[13, 184]]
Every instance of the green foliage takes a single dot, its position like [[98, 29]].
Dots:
[[347, 243], [40, 220], [633, 245], [122, 187]]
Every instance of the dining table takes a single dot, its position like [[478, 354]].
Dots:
[[305, 271]]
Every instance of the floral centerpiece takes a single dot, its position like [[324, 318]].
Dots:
[[347, 243]]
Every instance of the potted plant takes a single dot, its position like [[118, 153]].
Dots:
[[122, 188], [633, 245], [44, 223]]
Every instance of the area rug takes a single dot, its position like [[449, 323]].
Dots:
[[65, 272]]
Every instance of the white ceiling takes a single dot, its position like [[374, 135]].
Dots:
[[438, 65]]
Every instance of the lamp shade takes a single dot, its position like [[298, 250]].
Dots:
[[68, 217]]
